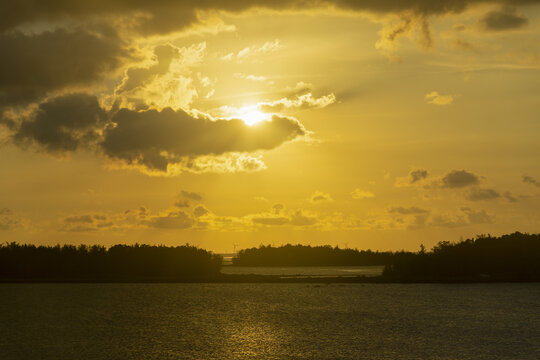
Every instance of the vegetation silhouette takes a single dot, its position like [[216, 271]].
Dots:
[[306, 255], [512, 257], [97, 263]]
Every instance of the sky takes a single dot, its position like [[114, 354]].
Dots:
[[363, 124]]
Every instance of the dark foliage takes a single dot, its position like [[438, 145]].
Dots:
[[302, 255], [513, 257], [96, 263]]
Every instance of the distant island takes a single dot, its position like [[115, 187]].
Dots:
[[306, 255], [119, 263], [514, 257]]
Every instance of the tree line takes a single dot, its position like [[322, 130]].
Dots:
[[97, 263], [512, 257], [306, 255]]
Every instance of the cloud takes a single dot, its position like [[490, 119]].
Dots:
[[415, 176], [320, 197], [226, 163], [463, 45], [508, 196], [278, 216], [407, 210], [141, 218], [79, 219], [270, 220], [33, 65], [150, 139], [465, 217], [530, 180], [436, 99], [267, 48], [300, 102], [191, 195], [7, 220], [249, 77], [459, 179], [165, 82], [172, 220], [298, 218], [503, 19], [361, 194], [277, 208], [138, 76], [182, 203], [200, 211], [63, 124], [477, 216], [478, 194], [94, 222], [5, 212], [154, 139]]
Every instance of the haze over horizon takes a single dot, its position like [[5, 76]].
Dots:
[[381, 125]]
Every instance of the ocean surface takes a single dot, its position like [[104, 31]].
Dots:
[[306, 271], [270, 321]]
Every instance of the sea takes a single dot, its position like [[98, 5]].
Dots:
[[270, 321]]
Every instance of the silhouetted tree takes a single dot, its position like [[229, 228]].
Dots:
[[512, 257], [120, 262], [306, 255]]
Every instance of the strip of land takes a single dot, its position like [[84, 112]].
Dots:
[[508, 258]]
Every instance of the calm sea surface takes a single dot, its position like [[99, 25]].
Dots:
[[269, 321]]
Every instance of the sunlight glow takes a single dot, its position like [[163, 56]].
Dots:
[[252, 117]]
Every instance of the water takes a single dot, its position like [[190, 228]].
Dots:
[[269, 321], [303, 271]]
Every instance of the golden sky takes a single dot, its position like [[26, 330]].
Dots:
[[368, 124]]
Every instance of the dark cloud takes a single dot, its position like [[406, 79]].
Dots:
[[155, 139], [191, 195], [7, 220], [504, 19], [32, 65], [299, 219], [181, 203], [294, 218], [407, 210], [200, 211], [152, 139], [5, 211], [511, 198], [459, 179], [417, 175], [464, 45], [162, 16], [276, 208], [477, 216], [172, 220], [80, 219], [530, 180], [320, 197], [478, 194], [64, 123], [270, 220]]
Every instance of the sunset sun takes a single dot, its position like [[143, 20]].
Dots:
[[251, 116]]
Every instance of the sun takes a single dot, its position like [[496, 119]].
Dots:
[[251, 116]]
